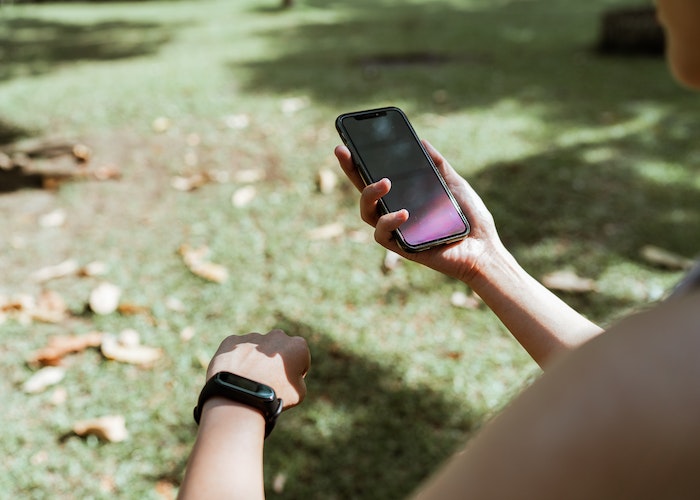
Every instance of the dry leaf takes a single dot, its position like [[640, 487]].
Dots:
[[166, 490], [239, 121], [160, 124], [243, 196], [196, 259], [124, 349], [106, 173], [294, 104], [174, 304], [187, 333], [104, 299], [44, 378], [65, 268], [327, 180], [111, 428], [279, 482], [327, 232], [61, 345], [191, 182], [50, 307], [82, 153], [391, 261], [664, 258], [55, 218], [131, 309], [249, 175], [568, 281], [465, 301], [95, 268]]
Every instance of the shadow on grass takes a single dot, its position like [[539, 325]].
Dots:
[[610, 204], [10, 133], [472, 55], [362, 431], [445, 57], [31, 46]]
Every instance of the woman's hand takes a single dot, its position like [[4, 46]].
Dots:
[[460, 260], [273, 359]]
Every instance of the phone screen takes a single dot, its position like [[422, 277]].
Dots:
[[384, 144]]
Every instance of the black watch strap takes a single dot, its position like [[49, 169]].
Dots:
[[242, 390]]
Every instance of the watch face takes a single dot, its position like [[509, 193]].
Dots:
[[254, 388]]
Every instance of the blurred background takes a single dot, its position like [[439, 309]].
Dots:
[[167, 179]]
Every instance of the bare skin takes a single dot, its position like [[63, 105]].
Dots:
[[227, 458], [538, 319], [614, 415]]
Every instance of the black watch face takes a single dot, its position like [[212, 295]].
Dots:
[[254, 388]]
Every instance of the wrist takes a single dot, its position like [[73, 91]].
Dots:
[[494, 263], [219, 411]]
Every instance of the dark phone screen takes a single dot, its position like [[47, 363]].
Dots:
[[387, 147]]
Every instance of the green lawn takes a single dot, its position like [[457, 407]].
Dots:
[[582, 159]]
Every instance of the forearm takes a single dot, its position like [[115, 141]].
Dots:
[[543, 324], [617, 418], [227, 458]]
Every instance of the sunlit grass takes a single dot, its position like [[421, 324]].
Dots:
[[582, 159]]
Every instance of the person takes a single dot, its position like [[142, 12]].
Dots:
[[614, 415]]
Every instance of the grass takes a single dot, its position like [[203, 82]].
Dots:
[[583, 160]]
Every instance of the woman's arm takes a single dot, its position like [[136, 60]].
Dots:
[[538, 319], [617, 418], [227, 457]]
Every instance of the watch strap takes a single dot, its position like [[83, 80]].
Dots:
[[269, 409]]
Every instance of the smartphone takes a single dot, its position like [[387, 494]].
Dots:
[[382, 143]]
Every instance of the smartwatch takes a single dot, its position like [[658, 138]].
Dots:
[[242, 390]]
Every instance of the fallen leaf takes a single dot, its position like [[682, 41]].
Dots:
[[294, 104], [95, 268], [465, 301], [237, 121], [82, 153], [568, 281], [44, 378], [166, 490], [59, 396], [187, 333], [128, 309], [104, 299], [129, 338], [106, 173], [327, 180], [196, 259], [49, 308], [249, 176], [190, 183], [160, 124], [327, 232], [279, 482], [664, 258], [61, 345], [391, 261], [55, 218], [243, 196], [174, 304], [65, 268], [111, 428], [125, 351]]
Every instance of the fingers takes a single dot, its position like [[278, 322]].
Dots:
[[386, 225], [342, 153], [369, 200]]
